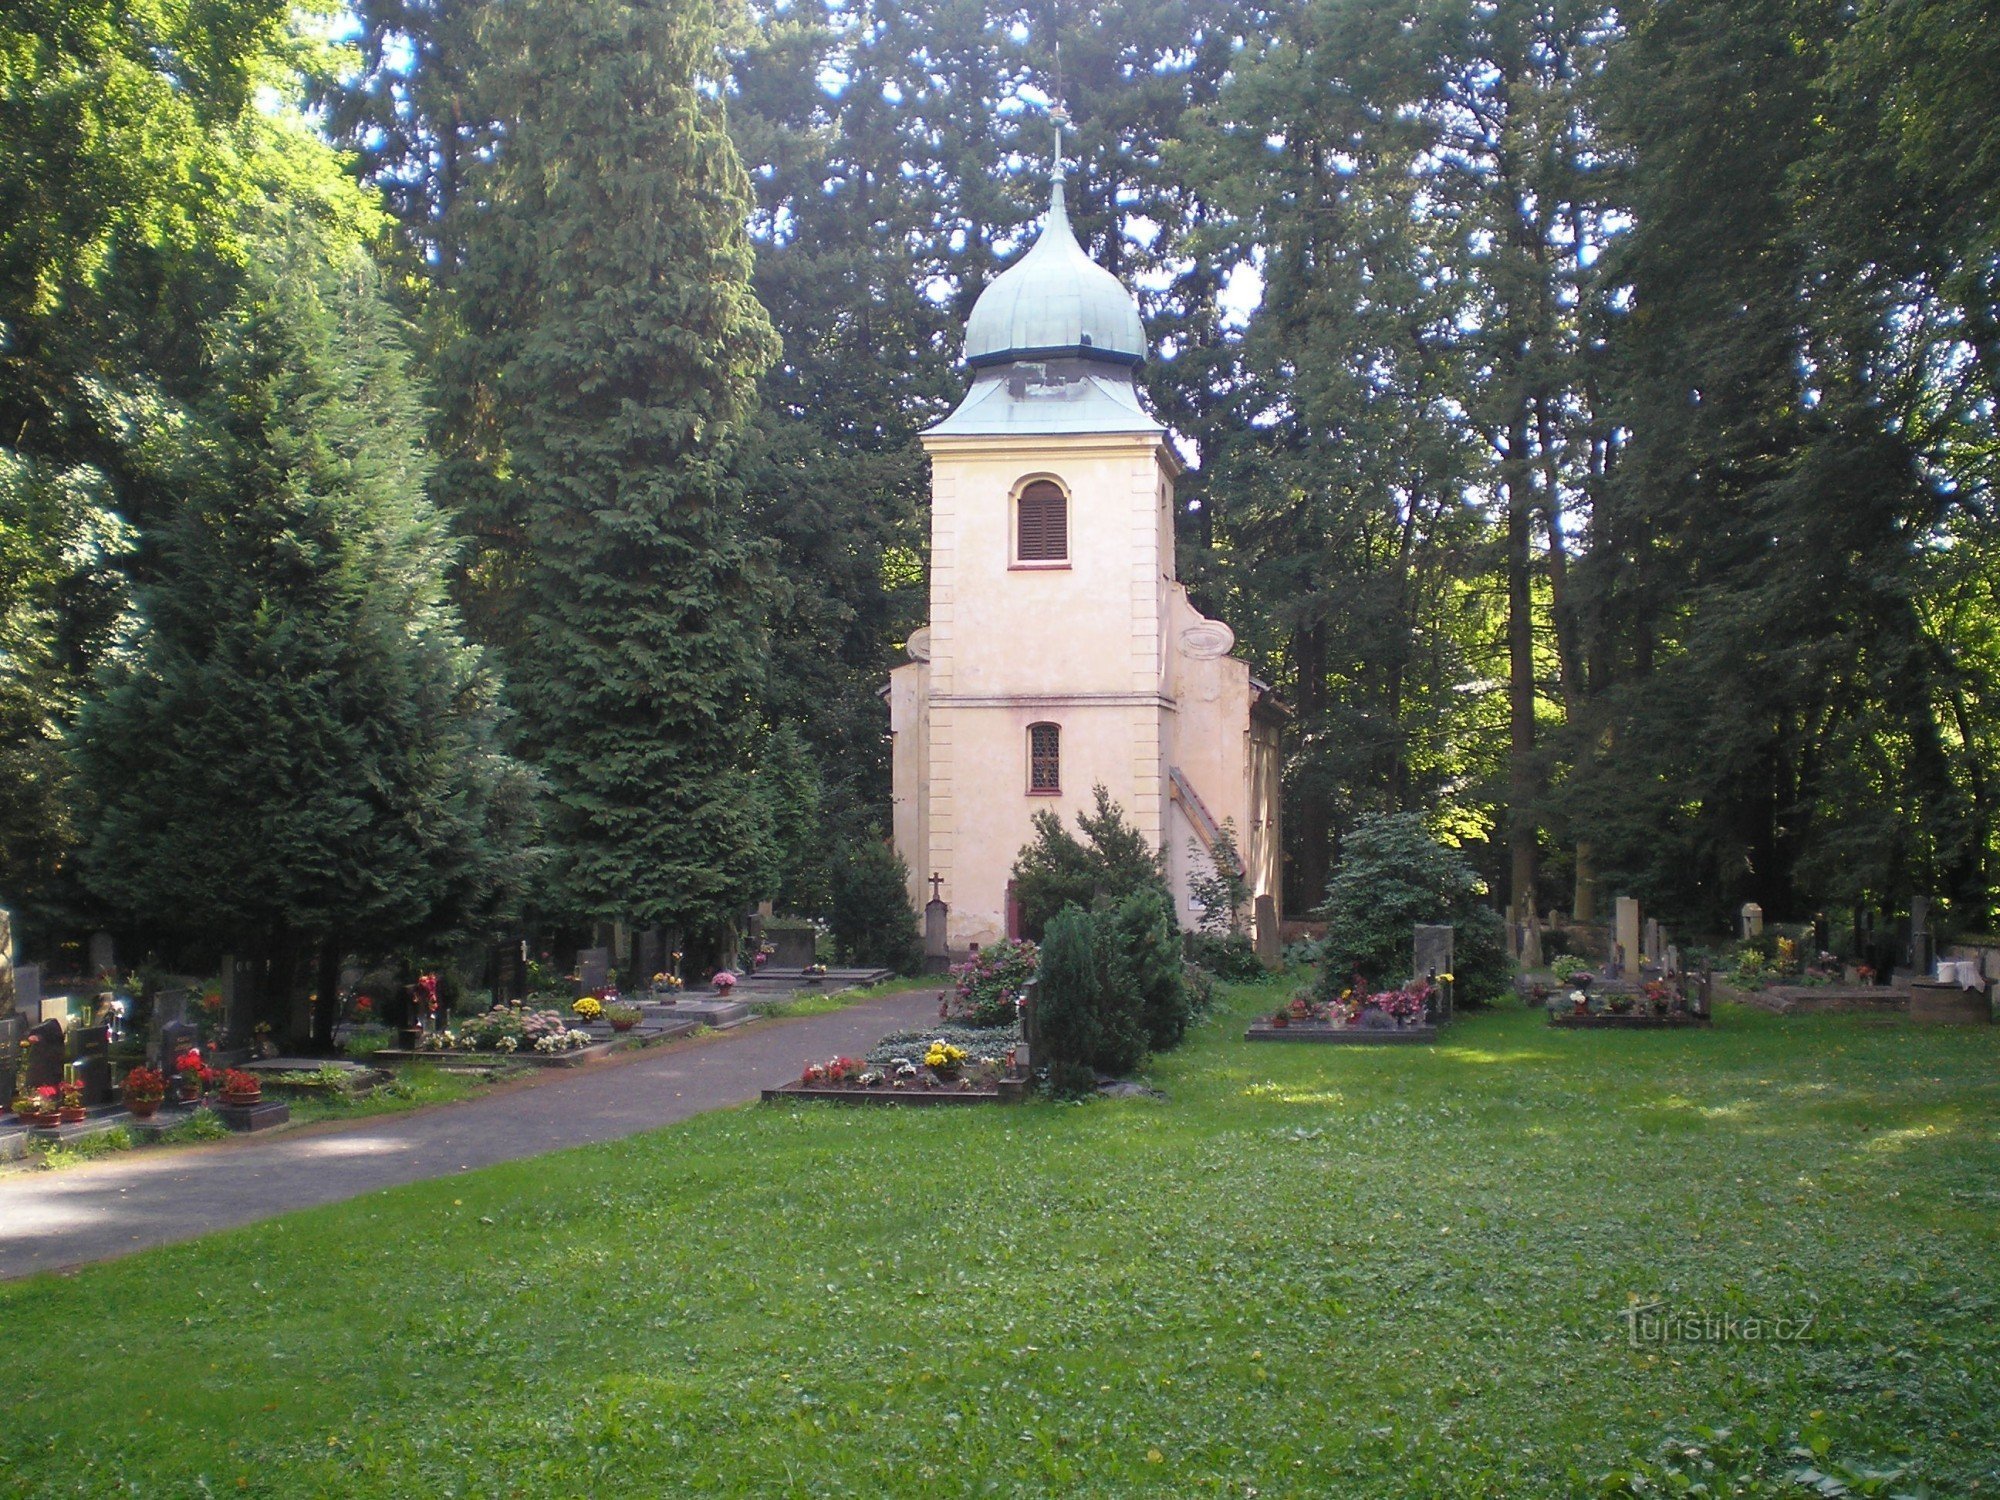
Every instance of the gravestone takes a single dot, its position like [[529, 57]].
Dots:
[[239, 999], [791, 947], [169, 1010], [45, 1056], [1920, 936], [1650, 944], [103, 953], [510, 973], [11, 1028], [593, 966], [1432, 950], [1264, 927], [1625, 932], [937, 943], [175, 1039], [1531, 945], [6, 961], [1751, 920], [28, 992], [651, 958], [93, 1063]]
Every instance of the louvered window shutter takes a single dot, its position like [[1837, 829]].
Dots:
[[1044, 524]]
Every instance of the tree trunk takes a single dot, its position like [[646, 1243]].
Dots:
[[326, 999]]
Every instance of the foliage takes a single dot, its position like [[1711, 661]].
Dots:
[[1110, 862], [989, 983], [363, 1042], [1142, 964], [1392, 875], [1227, 956], [300, 659], [872, 920], [606, 292], [1069, 1020], [1217, 885]]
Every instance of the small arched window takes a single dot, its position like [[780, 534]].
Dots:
[[1044, 757], [1042, 529]]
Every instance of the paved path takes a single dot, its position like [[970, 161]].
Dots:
[[108, 1208]]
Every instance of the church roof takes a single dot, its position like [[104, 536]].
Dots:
[[1055, 300], [1054, 343]]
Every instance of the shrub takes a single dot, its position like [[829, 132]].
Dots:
[[872, 920], [1227, 956], [1142, 963], [990, 982], [1392, 875], [1068, 1028], [1057, 869], [1221, 892]]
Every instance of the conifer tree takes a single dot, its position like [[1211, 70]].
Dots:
[[300, 758], [607, 290]]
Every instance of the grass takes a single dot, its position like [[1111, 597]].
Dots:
[[415, 1085], [809, 1004], [1307, 1271]]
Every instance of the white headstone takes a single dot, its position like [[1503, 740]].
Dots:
[[1753, 920], [1626, 933]]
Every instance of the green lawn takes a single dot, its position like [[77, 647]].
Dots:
[[1308, 1271]]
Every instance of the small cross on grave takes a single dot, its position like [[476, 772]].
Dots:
[[937, 887]]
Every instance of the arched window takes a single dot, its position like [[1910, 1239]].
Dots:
[[1044, 757], [1042, 528]]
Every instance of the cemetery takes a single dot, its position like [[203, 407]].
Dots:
[[865, 747]]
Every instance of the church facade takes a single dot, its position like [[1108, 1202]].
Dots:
[[1061, 654]]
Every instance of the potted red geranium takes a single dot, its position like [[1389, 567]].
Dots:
[[194, 1075], [144, 1088], [239, 1087], [70, 1097]]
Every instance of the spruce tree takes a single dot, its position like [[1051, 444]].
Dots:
[[607, 287], [300, 758], [1068, 1023]]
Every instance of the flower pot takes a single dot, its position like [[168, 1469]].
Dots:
[[242, 1101], [74, 1114], [623, 1026], [49, 1121], [190, 1092], [1580, 1008], [1281, 1020], [143, 1109]]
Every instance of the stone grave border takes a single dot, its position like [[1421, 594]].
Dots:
[[1004, 1091]]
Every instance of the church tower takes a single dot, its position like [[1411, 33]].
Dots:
[[1061, 654]]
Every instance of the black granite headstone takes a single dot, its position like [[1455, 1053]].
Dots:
[[45, 1055], [93, 1063], [593, 965]]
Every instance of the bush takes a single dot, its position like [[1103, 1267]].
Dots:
[[1068, 1028], [1142, 962], [990, 982], [1392, 875], [1056, 869], [872, 920], [1227, 956]]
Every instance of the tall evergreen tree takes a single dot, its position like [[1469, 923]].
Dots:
[[606, 291], [300, 758]]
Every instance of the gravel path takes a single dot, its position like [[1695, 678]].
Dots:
[[104, 1209]]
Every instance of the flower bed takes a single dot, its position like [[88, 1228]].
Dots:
[[928, 1071], [509, 1029]]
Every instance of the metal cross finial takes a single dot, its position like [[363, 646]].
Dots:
[[937, 887], [1060, 117]]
